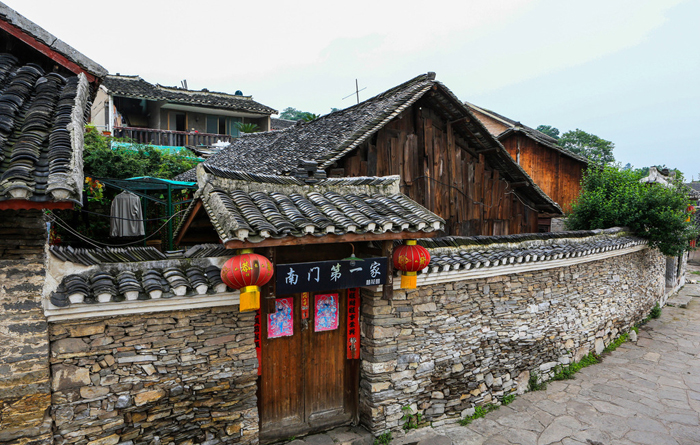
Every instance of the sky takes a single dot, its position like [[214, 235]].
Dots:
[[625, 70]]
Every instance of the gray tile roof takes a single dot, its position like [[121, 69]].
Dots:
[[253, 207], [10, 16], [42, 118], [136, 87], [455, 253], [281, 124], [143, 283], [693, 189], [334, 135], [90, 257], [536, 135]]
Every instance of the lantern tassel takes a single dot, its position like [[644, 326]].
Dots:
[[409, 280], [250, 298]]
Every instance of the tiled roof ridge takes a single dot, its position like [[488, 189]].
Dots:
[[292, 180], [566, 245], [489, 241], [361, 135], [161, 92]]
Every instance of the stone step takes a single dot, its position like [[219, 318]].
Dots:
[[680, 301], [345, 435]]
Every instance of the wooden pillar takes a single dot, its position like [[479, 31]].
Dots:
[[388, 288]]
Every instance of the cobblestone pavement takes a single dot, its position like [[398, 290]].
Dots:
[[643, 393]]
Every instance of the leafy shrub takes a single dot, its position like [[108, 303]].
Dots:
[[567, 372], [507, 400], [102, 161], [383, 439], [533, 384], [610, 197], [655, 311], [479, 412]]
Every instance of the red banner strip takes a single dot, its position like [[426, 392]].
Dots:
[[353, 323], [257, 331]]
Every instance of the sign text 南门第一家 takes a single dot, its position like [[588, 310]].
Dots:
[[329, 275]]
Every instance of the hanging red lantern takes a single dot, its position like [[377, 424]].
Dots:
[[247, 272], [409, 259]]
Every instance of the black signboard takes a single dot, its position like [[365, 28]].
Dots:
[[329, 275]]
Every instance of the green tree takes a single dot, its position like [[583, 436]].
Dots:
[[293, 114], [588, 145], [549, 131], [308, 117], [612, 197]]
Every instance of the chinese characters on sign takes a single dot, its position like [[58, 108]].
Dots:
[[330, 275], [353, 324]]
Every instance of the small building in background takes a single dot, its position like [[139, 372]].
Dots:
[[556, 170], [146, 113]]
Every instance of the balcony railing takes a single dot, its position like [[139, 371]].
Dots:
[[169, 138]]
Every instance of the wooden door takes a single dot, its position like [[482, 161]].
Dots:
[[307, 384]]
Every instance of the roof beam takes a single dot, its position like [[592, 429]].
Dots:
[[45, 50]]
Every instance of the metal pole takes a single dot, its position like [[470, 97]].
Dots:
[[170, 212], [357, 91]]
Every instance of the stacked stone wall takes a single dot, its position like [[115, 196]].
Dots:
[[25, 395], [22, 235], [445, 348], [161, 378]]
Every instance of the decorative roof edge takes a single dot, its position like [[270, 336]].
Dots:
[[38, 33], [69, 186]]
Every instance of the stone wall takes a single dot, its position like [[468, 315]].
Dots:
[[444, 348], [22, 235], [160, 378], [24, 352]]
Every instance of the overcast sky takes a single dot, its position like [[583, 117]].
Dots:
[[625, 70]]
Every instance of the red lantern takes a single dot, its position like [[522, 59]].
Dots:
[[247, 272], [409, 259]]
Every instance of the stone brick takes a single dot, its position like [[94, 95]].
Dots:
[[86, 330], [69, 376], [112, 439], [92, 392]]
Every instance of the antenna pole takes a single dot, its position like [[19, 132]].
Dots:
[[357, 91]]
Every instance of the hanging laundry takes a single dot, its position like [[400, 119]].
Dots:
[[127, 218]]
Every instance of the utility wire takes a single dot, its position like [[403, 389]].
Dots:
[[95, 243]]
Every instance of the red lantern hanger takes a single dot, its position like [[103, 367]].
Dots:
[[409, 259], [247, 272]]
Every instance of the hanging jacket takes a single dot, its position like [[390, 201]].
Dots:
[[127, 218]]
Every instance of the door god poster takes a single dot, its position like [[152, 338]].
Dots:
[[281, 323], [326, 312]]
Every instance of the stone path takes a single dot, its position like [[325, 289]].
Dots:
[[644, 393]]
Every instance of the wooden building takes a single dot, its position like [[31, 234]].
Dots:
[[447, 160], [556, 170]]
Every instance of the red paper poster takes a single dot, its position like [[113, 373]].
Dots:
[[304, 305], [281, 323], [353, 323], [326, 312], [256, 330]]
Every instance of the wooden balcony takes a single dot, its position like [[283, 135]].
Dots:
[[169, 138]]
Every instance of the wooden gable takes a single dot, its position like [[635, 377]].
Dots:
[[443, 172]]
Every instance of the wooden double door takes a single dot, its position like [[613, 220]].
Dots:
[[307, 383]]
